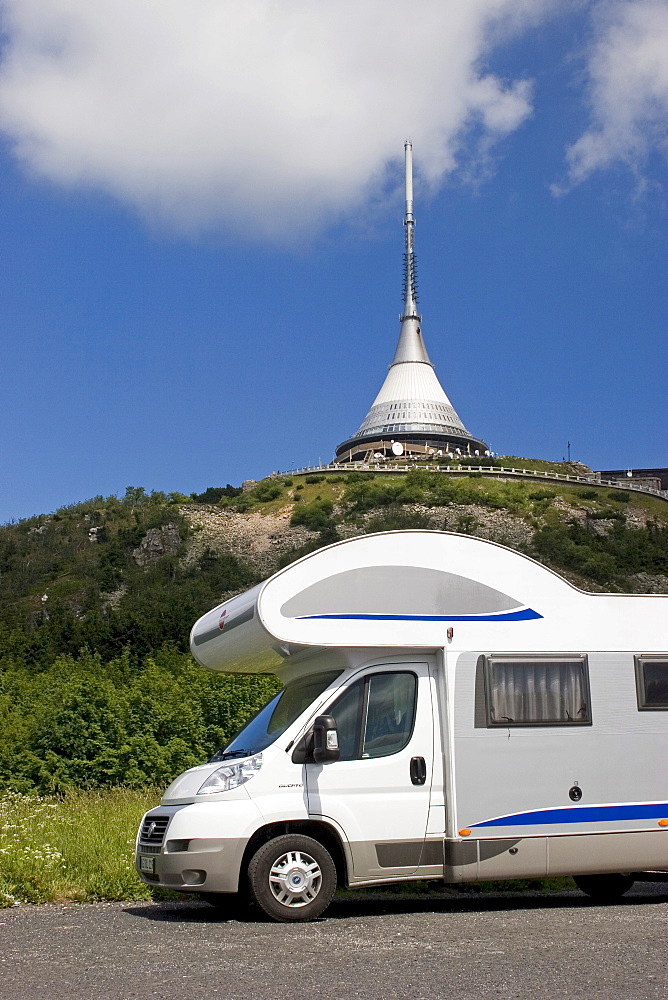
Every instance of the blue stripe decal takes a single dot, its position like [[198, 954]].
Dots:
[[523, 615], [582, 814]]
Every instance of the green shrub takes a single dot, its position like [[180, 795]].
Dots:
[[214, 493], [605, 515], [619, 496], [314, 479], [588, 494], [86, 722], [466, 524], [396, 518], [314, 515], [608, 558], [267, 490], [367, 493], [243, 502]]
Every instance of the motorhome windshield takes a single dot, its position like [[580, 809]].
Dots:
[[272, 720]]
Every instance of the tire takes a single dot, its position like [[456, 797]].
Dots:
[[292, 878], [604, 887]]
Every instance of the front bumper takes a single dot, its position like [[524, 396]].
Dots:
[[186, 852]]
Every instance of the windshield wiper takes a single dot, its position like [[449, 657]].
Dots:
[[228, 754]]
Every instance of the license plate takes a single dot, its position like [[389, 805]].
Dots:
[[146, 864]]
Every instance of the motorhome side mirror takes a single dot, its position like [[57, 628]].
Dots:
[[325, 740]]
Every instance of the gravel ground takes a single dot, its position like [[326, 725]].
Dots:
[[372, 948]]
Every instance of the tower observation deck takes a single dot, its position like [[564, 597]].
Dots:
[[411, 415]]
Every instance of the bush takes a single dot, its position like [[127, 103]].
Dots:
[[605, 515], [267, 490], [315, 515], [214, 493], [609, 558], [397, 519], [314, 479], [620, 496], [588, 494], [366, 493], [243, 502], [84, 722], [466, 524]]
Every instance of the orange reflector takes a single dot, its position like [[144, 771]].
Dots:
[[662, 822], [464, 833]]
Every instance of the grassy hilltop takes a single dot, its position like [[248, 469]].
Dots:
[[98, 689]]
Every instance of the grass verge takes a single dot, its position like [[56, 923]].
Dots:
[[74, 847]]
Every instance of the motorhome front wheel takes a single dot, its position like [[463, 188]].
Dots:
[[292, 878]]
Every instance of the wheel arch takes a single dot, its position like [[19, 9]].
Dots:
[[324, 833]]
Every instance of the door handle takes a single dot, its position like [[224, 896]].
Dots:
[[418, 770]]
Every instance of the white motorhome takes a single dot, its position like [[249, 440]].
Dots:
[[451, 710]]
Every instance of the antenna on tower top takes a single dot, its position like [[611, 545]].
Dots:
[[410, 278], [408, 153]]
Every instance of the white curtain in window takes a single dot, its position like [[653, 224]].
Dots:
[[534, 691]]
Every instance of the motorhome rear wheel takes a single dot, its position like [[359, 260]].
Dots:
[[292, 878], [604, 886]]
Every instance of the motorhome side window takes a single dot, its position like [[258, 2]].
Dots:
[[652, 683], [375, 716], [537, 691]]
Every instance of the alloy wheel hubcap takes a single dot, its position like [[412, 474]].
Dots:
[[295, 879]]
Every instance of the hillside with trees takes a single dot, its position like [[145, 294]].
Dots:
[[97, 599]]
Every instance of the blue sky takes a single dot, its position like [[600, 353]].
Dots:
[[201, 271]]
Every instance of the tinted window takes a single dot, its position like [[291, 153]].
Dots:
[[652, 682], [375, 716], [535, 692], [390, 713]]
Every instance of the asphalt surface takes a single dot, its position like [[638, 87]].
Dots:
[[387, 946]]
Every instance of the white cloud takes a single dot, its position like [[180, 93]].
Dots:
[[628, 85], [256, 113]]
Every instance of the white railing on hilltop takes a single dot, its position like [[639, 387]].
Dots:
[[468, 469]]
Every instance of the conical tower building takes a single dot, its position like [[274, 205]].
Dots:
[[411, 415]]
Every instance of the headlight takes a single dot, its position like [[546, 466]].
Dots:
[[231, 775]]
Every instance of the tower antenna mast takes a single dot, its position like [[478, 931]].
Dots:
[[410, 278]]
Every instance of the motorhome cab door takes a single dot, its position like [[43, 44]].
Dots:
[[378, 792]]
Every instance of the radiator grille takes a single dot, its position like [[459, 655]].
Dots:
[[153, 829]]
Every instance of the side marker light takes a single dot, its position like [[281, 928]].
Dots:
[[464, 833], [663, 822]]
